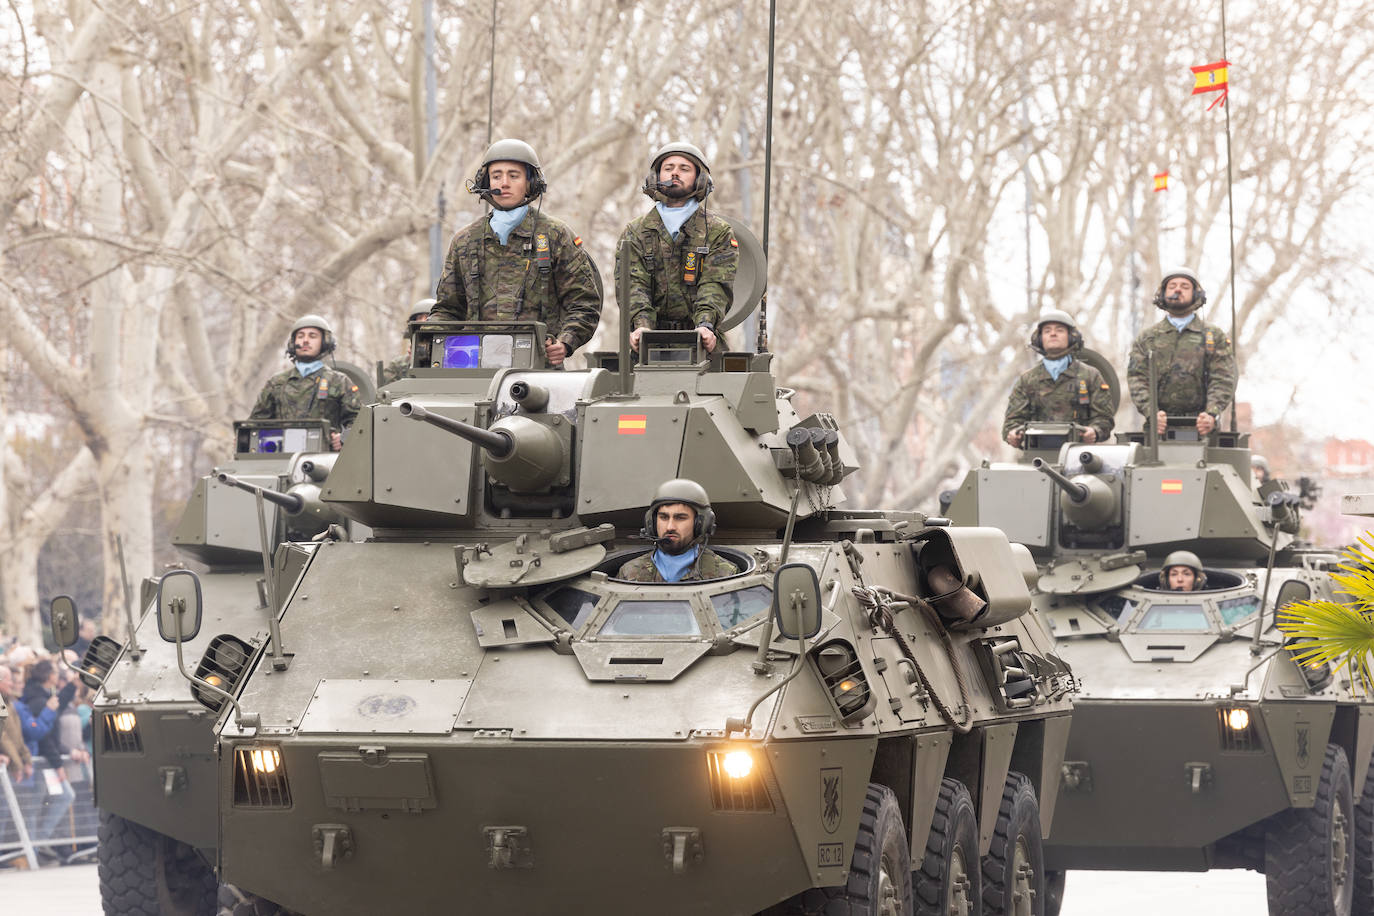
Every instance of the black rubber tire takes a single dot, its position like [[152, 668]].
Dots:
[[1308, 852], [1362, 898], [1014, 868], [234, 901], [1054, 891], [879, 870], [144, 873], [951, 850]]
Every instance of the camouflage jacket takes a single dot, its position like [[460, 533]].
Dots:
[[540, 274], [327, 394], [1191, 380], [660, 296], [1080, 395], [708, 565], [395, 369]]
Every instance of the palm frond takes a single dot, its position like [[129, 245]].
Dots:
[[1338, 633]]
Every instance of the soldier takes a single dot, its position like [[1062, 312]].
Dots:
[[520, 265], [1062, 387], [1182, 572], [401, 364], [308, 390], [681, 520], [1194, 363], [681, 258], [1259, 469]]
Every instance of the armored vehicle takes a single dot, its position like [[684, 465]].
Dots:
[[477, 714], [1198, 742], [155, 772]]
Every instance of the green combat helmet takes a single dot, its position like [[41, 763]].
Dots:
[[1183, 558], [311, 321], [704, 185], [1199, 294], [510, 150], [1057, 316]]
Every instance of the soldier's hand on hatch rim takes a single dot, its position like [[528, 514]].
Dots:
[[335, 441], [1206, 423], [634, 339], [555, 350], [1161, 422], [1088, 435], [1014, 438], [708, 337]]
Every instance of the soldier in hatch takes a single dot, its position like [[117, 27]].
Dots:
[[1061, 388], [680, 257], [519, 264], [1182, 572], [399, 366], [1195, 367], [309, 390], [680, 519]]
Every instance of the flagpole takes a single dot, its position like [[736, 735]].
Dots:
[[1230, 205]]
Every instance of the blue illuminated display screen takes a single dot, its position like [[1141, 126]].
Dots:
[[462, 351], [270, 441]]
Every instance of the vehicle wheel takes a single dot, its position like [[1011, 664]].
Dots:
[[144, 872], [1014, 868], [1362, 897], [879, 871], [1054, 891], [948, 883], [234, 901], [1308, 860]]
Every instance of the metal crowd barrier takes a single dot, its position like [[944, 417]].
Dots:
[[22, 810]]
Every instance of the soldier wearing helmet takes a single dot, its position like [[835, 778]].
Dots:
[[1259, 470], [679, 520], [1061, 387], [1182, 572], [520, 264], [399, 366], [309, 390], [1195, 366], [681, 259]]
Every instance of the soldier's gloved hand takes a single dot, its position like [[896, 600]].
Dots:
[[1014, 438], [1161, 422], [634, 339], [335, 441], [708, 337], [1206, 423], [555, 350]]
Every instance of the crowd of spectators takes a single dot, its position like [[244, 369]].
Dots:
[[45, 741]]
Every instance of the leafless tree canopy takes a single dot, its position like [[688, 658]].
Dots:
[[179, 182]]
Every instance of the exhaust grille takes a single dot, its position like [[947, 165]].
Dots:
[[260, 778], [730, 793], [121, 733]]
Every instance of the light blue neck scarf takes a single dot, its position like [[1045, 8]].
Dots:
[[673, 568], [674, 217], [503, 221], [1180, 323], [309, 368], [1056, 367]]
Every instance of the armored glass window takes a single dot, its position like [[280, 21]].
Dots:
[[652, 618], [1234, 609], [573, 605], [1117, 606], [734, 608], [1174, 617]]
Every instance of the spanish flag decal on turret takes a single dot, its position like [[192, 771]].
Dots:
[[632, 424], [1171, 486]]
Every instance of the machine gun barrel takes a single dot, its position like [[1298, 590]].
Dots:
[[1076, 491], [498, 443], [291, 502]]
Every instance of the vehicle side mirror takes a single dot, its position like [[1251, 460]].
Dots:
[[178, 606], [63, 617], [797, 601]]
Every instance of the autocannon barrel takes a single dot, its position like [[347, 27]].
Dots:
[[532, 398], [497, 443], [1075, 491], [291, 502]]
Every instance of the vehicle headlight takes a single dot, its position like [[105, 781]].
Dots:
[[1238, 719], [738, 764], [260, 777], [120, 733], [737, 781]]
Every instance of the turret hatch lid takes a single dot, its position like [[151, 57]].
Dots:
[[534, 559], [1090, 575]]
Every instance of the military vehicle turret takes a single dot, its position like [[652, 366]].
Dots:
[[1198, 742], [478, 715], [155, 772]]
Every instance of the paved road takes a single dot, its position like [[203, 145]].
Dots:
[[73, 891]]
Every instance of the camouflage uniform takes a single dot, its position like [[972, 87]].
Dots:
[[395, 369], [507, 283], [660, 297], [1080, 395], [708, 565], [1191, 380], [326, 394]]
